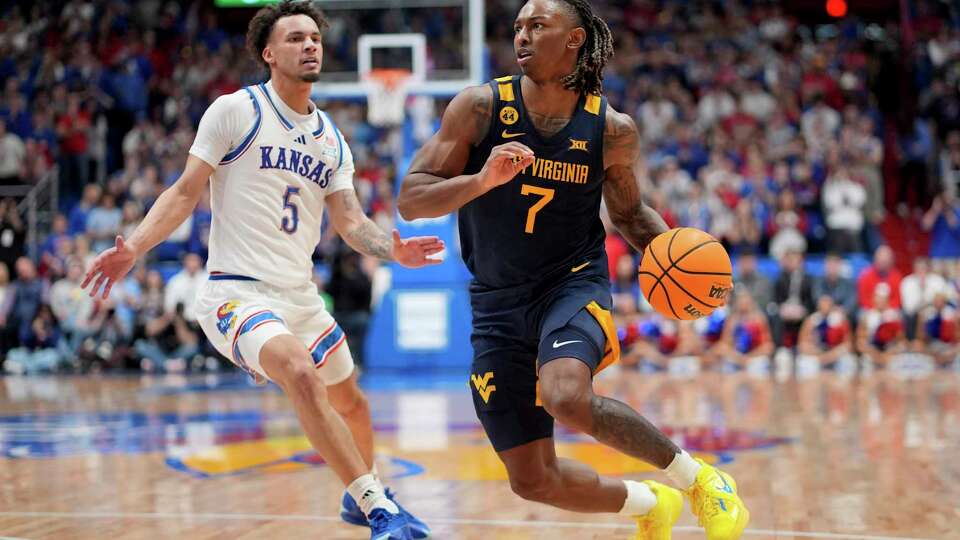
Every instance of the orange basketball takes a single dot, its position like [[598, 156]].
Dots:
[[685, 274]]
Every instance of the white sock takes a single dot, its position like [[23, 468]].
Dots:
[[375, 472], [683, 470], [640, 499], [368, 493]]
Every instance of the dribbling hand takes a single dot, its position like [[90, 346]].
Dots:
[[504, 163], [110, 267], [416, 251]]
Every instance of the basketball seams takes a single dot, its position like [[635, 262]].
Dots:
[[670, 247], [693, 273], [659, 280], [695, 297]]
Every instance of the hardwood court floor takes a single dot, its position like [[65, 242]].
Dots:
[[214, 458]]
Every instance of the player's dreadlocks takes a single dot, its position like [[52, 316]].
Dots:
[[258, 33], [587, 76]]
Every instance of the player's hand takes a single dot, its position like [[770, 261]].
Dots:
[[416, 251], [110, 267], [505, 162]]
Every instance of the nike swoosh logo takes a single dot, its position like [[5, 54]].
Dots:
[[511, 135], [576, 269], [558, 344]]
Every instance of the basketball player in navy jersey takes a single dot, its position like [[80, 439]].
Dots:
[[525, 161]]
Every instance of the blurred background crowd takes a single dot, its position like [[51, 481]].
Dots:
[[825, 157]]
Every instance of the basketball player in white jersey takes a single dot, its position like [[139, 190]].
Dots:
[[274, 161]]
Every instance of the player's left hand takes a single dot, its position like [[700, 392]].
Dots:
[[416, 251]]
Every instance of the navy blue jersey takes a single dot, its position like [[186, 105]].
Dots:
[[545, 223]]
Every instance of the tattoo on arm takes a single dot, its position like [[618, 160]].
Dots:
[[637, 222], [369, 239], [482, 113], [617, 425], [362, 234]]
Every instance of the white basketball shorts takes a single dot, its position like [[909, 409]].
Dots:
[[240, 315]]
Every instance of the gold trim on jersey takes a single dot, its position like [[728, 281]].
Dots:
[[506, 91], [592, 104]]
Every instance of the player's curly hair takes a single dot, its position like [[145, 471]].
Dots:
[[258, 33], [587, 76]]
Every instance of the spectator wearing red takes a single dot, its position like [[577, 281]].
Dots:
[[881, 271], [72, 128]]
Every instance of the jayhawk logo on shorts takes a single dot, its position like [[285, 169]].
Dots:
[[226, 317]]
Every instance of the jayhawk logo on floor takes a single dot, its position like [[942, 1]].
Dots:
[[226, 317]]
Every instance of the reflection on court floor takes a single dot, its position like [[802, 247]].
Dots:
[[855, 456]]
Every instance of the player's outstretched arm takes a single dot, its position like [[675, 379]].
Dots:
[[172, 207], [435, 184], [637, 222], [363, 235]]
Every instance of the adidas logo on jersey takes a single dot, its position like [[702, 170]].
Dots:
[[301, 139]]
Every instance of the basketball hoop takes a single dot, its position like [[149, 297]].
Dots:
[[387, 91]]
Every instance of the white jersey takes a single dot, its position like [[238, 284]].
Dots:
[[274, 167]]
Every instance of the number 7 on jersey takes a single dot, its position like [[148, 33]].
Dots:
[[546, 195]]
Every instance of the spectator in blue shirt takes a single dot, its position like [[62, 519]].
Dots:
[[943, 220], [78, 214]]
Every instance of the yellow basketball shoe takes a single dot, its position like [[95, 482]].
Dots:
[[656, 524], [714, 500]]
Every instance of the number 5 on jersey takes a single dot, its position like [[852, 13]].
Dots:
[[546, 195], [289, 224]]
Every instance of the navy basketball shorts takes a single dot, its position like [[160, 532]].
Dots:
[[518, 330]]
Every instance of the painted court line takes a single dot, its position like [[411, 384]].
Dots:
[[432, 521]]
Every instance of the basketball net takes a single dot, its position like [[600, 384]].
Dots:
[[387, 91]]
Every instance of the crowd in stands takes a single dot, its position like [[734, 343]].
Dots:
[[777, 138]]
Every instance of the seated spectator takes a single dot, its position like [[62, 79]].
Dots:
[[788, 227], [745, 231], [183, 286], [880, 331], [837, 286], [7, 335], [938, 331], [826, 334], [659, 339], [167, 340], [746, 341], [843, 207], [72, 306], [23, 300], [12, 155], [749, 281], [13, 234], [943, 222], [81, 210], [103, 223], [883, 272], [625, 288], [917, 291], [39, 346], [58, 232], [792, 294]]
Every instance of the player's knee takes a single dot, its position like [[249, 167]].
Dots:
[[353, 404], [293, 370], [533, 485], [567, 401]]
